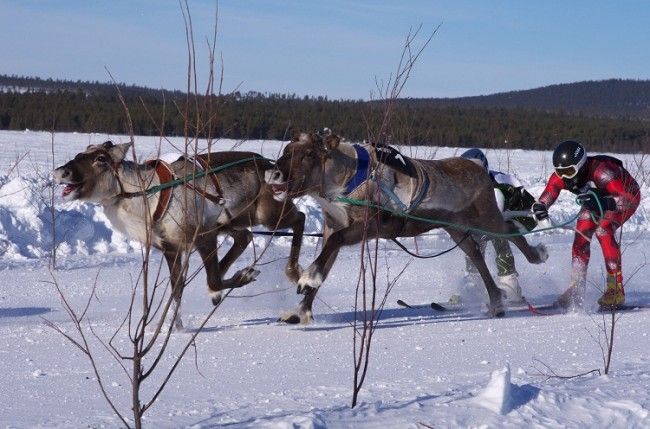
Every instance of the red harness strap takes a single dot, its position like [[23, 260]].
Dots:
[[165, 174]]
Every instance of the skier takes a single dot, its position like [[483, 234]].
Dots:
[[510, 196], [609, 195]]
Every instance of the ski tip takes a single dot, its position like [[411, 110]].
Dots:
[[438, 307], [403, 304]]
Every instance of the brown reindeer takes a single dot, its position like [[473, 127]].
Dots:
[[189, 215], [453, 190]]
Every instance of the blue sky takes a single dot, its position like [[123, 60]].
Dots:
[[335, 48]]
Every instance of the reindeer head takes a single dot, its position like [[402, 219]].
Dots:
[[91, 175], [300, 169]]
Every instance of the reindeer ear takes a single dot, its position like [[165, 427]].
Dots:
[[331, 141], [295, 135], [106, 146], [118, 152]]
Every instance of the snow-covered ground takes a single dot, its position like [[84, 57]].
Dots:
[[427, 369]]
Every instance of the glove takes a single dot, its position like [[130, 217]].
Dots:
[[593, 202], [540, 212]]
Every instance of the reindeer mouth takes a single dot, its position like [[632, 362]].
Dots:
[[279, 187], [70, 189], [279, 191]]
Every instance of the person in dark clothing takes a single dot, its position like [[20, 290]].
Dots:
[[511, 197]]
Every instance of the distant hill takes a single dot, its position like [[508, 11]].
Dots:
[[21, 84], [614, 98], [607, 115]]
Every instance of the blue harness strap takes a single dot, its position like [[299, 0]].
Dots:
[[363, 166]]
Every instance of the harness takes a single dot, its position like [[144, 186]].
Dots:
[[165, 174], [363, 173], [217, 199], [165, 177]]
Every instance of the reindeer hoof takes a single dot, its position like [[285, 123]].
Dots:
[[294, 319], [297, 317], [215, 297], [304, 289], [245, 276], [497, 310]]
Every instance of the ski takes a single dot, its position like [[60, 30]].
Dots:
[[433, 306], [525, 305], [540, 310]]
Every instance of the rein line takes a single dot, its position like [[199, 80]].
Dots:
[[365, 203], [183, 180], [352, 201]]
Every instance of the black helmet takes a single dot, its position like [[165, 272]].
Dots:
[[476, 154], [568, 159]]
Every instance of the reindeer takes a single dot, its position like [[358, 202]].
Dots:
[[455, 191], [189, 215]]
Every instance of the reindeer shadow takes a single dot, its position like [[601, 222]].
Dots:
[[396, 317], [390, 318], [23, 311]]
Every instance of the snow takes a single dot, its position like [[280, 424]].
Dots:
[[427, 369]]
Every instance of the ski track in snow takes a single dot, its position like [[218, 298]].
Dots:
[[426, 369]]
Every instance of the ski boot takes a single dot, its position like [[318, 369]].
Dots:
[[614, 295], [510, 288], [574, 296]]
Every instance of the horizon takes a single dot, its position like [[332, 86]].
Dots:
[[336, 49], [266, 94]]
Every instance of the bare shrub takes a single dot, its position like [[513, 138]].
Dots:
[[369, 298], [144, 360]]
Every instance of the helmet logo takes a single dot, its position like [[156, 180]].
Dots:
[[577, 151]]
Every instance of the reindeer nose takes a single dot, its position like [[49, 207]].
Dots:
[[274, 176], [61, 173]]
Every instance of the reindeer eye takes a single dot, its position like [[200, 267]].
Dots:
[[101, 158]]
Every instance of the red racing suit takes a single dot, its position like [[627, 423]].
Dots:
[[606, 176]]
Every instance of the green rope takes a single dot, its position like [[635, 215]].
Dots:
[[364, 203], [600, 206], [202, 173]]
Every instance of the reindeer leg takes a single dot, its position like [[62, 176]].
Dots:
[[280, 215], [207, 248], [313, 277], [534, 254], [473, 251], [303, 313], [214, 269], [241, 237], [173, 256]]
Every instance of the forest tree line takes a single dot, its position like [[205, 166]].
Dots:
[[63, 106]]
